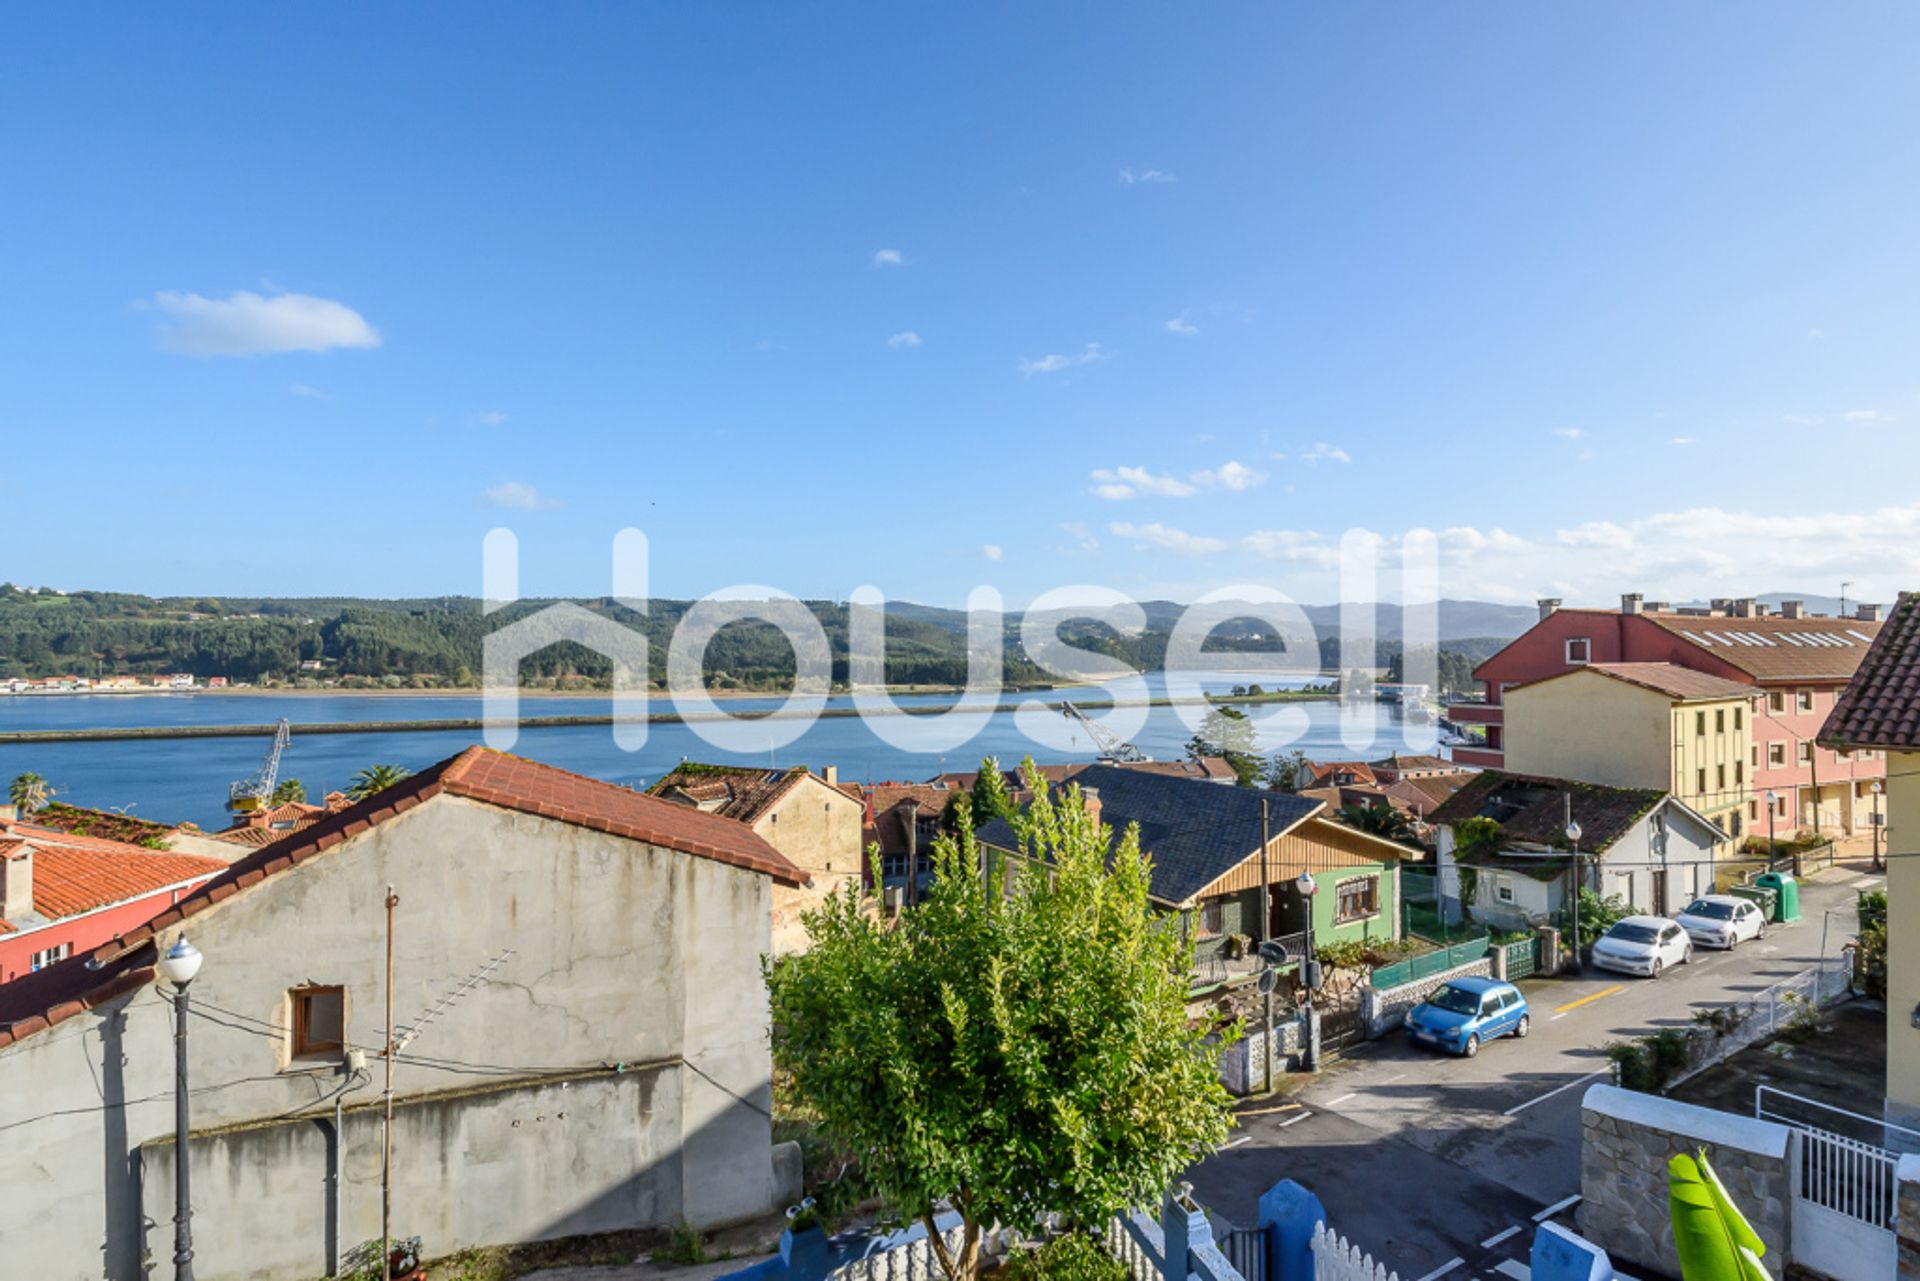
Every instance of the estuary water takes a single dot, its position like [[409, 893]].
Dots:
[[186, 779]]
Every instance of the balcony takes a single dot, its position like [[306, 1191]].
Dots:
[[1480, 757]]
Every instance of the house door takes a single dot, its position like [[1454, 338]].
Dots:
[[1659, 892], [1288, 914]]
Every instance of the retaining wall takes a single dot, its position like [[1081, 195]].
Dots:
[[1384, 1009]]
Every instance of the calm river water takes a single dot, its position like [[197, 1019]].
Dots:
[[186, 779]]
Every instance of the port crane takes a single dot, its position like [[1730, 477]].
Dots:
[[1113, 749], [251, 794]]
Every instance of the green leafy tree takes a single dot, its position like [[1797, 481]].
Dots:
[[30, 793], [1013, 1048], [1379, 820], [290, 791], [1598, 915], [1226, 732], [991, 799], [376, 778], [1290, 771]]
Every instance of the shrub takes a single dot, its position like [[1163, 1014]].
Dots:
[[1647, 1063], [1803, 1018], [1077, 1256]]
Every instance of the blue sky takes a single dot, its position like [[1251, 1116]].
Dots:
[[1616, 296]]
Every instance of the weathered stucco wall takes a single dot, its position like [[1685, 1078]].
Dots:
[[623, 954], [818, 828], [1627, 1140]]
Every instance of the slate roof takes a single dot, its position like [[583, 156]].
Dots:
[[1532, 809], [38, 1000], [1881, 707], [1196, 832], [1671, 679], [743, 794], [1775, 648]]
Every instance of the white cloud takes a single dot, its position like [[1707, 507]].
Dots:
[[992, 551], [491, 418], [310, 393], [1568, 433], [1686, 440], [1081, 535], [1182, 326], [1323, 452], [889, 258], [1131, 176], [1129, 482], [1301, 546], [521, 497], [905, 338], [1868, 416], [248, 324], [1230, 475], [1092, 354], [1167, 538]]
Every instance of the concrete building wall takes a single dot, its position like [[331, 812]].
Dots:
[[1903, 937], [623, 954], [818, 828], [1589, 727]]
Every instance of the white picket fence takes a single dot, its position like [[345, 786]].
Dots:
[[1337, 1259]]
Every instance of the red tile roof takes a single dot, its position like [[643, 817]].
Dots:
[[739, 793], [1671, 679], [1775, 648], [76, 874], [38, 1000], [104, 823], [1881, 707]]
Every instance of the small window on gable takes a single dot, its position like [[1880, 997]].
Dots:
[[319, 1021], [1579, 649]]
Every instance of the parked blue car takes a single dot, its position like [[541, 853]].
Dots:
[[1464, 1014]]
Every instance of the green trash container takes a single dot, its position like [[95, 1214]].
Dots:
[[1787, 907], [1768, 899]]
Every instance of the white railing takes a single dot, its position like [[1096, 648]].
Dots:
[[1337, 1259], [1849, 1177], [897, 1259]]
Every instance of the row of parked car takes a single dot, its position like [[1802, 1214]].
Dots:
[[1464, 1014]]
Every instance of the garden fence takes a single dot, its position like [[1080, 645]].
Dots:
[[1415, 968]]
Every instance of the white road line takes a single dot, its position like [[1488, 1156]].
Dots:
[[1389, 1080], [1498, 1237], [1556, 1207], [1342, 1099], [1442, 1270], [1295, 1120], [1556, 1018], [1245, 1138], [1522, 1107], [1515, 1269]]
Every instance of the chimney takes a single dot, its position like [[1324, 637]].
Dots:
[[1655, 607], [1548, 604], [831, 774], [1720, 605], [1793, 609], [1633, 603], [1746, 607], [1871, 613], [9, 814], [1090, 796], [16, 882]]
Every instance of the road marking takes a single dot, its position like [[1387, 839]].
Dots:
[[1234, 1143], [1555, 1018], [1497, 1238], [1574, 1005], [1284, 1107], [1556, 1207], [1389, 1080], [1515, 1269], [1295, 1120], [1342, 1099], [1442, 1270], [1522, 1107]]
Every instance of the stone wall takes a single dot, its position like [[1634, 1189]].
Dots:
[[1626, 1142], [1384, 1010], [1243, 1064]]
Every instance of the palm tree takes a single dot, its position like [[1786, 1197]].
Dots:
[[376, 778], [291, 791], [1379, 820], [30, 793]]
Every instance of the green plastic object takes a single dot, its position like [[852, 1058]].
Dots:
[[1787, 892], [1714, 1240], [1769, 900]]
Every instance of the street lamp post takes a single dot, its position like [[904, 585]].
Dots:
[[1309, 968], [1771, 797], [1573, 838], [1879, 864], [178, 967]]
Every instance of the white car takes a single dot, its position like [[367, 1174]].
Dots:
[[1643, 945], [1721, 920]]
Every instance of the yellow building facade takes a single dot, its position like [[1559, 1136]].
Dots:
[[1902, 837], [1641, 725]]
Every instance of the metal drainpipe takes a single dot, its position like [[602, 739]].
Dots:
[[339, 1191]]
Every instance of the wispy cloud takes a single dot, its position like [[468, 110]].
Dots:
[[1081, 535], [310, 393], [1182, 326], [889, 258], [905, 338], [1167, 538], [1801, 420], [1229, 475], [1322, 452], [491, 417], [1686, 440], [521, 497], [1053, 364], [993, 551], [1116, 483], [1130, 177], [1868, 416], [250, 324], [1568, 433]]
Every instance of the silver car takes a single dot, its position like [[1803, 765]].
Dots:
[[1643, 945], [1721, 920]]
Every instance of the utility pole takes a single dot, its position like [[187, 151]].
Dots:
[[386, 1128], [1266, 919]]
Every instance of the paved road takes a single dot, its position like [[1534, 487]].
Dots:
[[1424, 1160]]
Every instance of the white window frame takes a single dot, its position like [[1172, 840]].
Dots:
[[1586, 650], [51, 956]]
